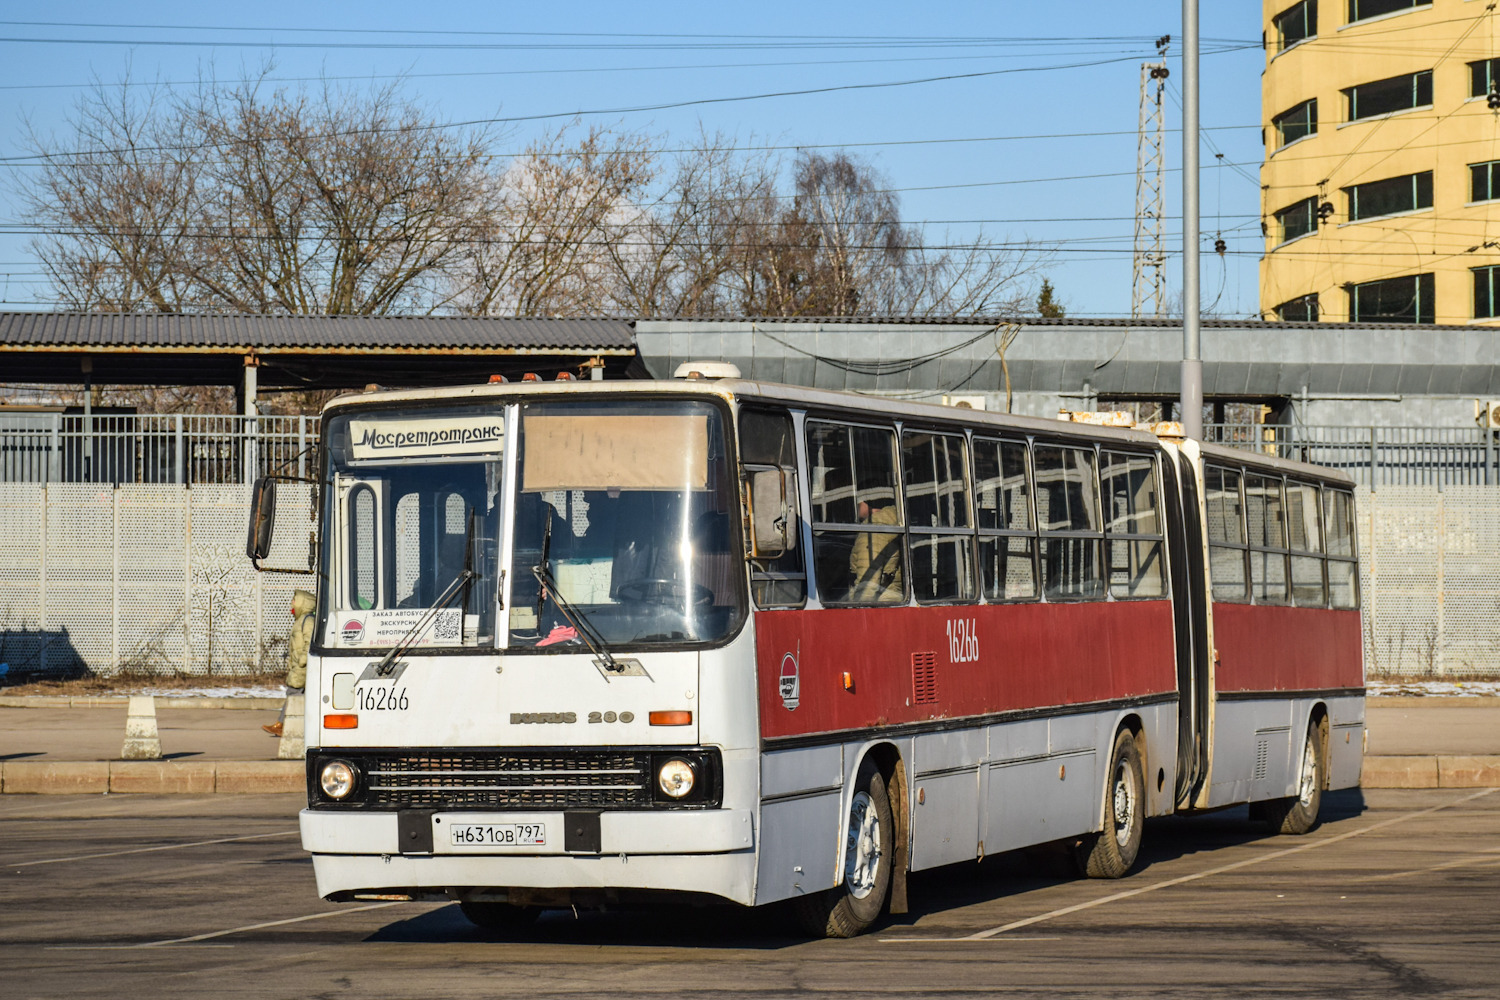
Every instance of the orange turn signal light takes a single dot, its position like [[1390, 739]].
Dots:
[[678, 718], [340, 722]]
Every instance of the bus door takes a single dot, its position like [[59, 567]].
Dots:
[[1190, 612]]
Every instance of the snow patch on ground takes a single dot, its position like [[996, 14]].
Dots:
[[1434, 689], [214, 692]]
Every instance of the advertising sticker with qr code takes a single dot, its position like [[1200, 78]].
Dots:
[[386, 628]]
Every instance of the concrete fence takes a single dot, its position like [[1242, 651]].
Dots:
[[141, 577]]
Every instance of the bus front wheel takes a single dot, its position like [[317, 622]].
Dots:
[[1111, 852], [869, 845]]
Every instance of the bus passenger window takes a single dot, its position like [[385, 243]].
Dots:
[[1265, 518], [937, 516], [1067, 511], [1007, 535], [1338, 534], [1226, 534], [1304, 535], [766, 439], [1133, 525], [858, 539]]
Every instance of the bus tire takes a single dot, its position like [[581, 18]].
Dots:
[[1299, 813], [846, 910], [1111, 852], [498, 916]]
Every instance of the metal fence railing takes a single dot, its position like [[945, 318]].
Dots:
[[1377, 456], [141, 448], [185, 448]]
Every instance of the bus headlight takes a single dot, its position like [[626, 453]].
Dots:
[[676, 778], [337, 779]]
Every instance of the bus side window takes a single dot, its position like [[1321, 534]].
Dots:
[[859, 546], [937, 516], [1305, 539], [1265, 516], [1225, 513], [1067, 511], [1007, 535], [1338, 534], [1133, 525], [767, 438]]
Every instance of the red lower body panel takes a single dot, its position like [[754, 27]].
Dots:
[[908, 665], [1268, 648]]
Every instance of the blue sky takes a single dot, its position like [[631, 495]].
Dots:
[[1071, 74]]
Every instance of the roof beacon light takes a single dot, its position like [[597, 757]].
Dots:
[[496, 379], [706, 370], [565, 377], [531, 377]]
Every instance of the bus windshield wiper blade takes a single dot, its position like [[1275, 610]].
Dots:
[[387, 662], [548, 587], [577, 619]]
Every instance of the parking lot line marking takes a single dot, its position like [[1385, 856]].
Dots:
[[1483, 859], [985, 935], [269, 923], [148, 850]]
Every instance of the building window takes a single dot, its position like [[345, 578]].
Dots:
[[1296, 122], [1298, 220], [1481, 75], [1484, 181], [1486, 283], [1394, 300], [1390, 196], [1384, 97], [1303, 309], [1360, 10], [1296, 23]]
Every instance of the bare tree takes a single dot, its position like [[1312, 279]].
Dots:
[[554, 212], [231, 199]]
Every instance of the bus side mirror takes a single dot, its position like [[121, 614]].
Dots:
[[262, 519], [771, 494]]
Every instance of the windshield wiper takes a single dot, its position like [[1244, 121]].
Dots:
[[387, 663], [543, 573]]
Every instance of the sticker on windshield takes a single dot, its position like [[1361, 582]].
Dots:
[[387, 628]]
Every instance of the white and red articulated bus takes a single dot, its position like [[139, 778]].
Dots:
[[710, 639]]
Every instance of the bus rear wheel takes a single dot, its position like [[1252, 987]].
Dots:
[[1299, 813], [1111, 852], [844, 911]]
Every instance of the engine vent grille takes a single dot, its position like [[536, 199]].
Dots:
[[510, 780], [924, 689]]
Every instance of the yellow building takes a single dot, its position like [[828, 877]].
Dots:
[[1380, 193]]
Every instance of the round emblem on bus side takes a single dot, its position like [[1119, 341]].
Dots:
[[791, 684]]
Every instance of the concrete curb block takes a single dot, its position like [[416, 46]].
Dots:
[[151, 777], [256, 777], [120, 701], [1430, 772]]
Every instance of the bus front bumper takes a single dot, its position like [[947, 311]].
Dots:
[[701, 851]]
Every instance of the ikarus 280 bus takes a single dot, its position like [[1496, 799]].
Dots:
[[708, 639]]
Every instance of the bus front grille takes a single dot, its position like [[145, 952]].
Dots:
[[510, 780]]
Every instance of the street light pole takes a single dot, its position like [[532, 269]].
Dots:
[[1192, 358]]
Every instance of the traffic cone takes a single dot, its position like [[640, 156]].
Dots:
[[142, 742], [291, 746]]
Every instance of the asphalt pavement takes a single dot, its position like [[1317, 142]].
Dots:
[[161, 897]]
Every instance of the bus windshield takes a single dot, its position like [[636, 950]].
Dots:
[[625, 507]]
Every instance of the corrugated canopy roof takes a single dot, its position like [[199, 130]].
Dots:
[[154, 331]]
